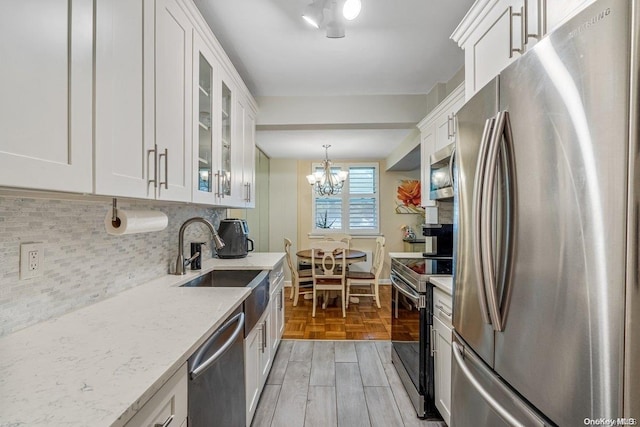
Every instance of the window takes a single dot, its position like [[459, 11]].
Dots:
[[356, 209]]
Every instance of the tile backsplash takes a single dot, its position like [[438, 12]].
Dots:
[[82, 263]]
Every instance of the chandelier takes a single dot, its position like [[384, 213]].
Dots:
[[327, 182]]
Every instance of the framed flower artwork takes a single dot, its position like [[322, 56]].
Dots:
[[408, 197]]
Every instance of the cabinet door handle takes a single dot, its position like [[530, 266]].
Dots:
[[542, 19], [166, 168], [218, 190], [522, 32], [247, 187], [154, 150], [454, 117], [165, 423], [442, 309], [264, 335], [433, 341]]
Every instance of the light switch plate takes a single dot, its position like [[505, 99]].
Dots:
[[31, 260]]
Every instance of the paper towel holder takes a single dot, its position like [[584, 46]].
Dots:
[[115, 221]]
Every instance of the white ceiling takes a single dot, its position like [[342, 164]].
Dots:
[[393, 47]]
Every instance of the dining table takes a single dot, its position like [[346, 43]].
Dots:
[[353, 255]]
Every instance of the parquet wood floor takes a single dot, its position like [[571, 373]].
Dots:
[[364, 320]]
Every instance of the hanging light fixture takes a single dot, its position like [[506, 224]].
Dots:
[[327, 182]]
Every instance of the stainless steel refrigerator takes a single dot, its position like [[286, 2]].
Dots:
[[546, 297]]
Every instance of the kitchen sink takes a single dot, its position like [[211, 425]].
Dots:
[[224, 279], [257, 280]]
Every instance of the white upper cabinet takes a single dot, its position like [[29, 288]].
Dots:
[[244, 156], [437, 130], [491, 35], [123, 127], [445, 118], [46, 94], [249, 158], [494, 33], [172, 66], [143, 100], [145, 82], [205, 162]]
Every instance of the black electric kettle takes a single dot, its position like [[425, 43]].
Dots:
[[234, 233]]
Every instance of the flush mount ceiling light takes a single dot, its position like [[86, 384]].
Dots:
[[351, 9], [314, 14], [327, 182]]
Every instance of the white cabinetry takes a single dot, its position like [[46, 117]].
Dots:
[[130, 78], [248, 156], [437, 130], [172, 89], [494, 33], [123, 127], [261, 344], [46, 49], [143, 100], [167, 406], [205, 143], [441, 348], [276, 281], [257, 361]]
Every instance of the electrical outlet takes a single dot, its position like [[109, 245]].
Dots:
[[31, 260]]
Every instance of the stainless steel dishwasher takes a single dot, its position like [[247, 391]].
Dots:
[[216, 377]]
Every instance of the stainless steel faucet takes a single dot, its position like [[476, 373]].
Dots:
[[217, 241]]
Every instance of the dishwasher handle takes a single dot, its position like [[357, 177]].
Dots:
[[198, 366]]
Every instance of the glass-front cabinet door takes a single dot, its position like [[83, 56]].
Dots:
[[229, 176], [205, 162], [226, 139]]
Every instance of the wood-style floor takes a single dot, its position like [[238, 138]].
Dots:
[[364, 321], [335, 383]]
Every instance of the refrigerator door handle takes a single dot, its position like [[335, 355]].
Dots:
[[496, 277], [486, 229], [507, 165], [477, 216], [458, 354]]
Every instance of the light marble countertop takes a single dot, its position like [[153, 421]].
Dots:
[[98, 365], [443, 282], [253, 261]]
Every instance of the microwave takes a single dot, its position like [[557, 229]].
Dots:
[[441, 173]]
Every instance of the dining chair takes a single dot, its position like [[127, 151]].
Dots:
[[300, 279], [339, 237], [369, 279], [331, 272]]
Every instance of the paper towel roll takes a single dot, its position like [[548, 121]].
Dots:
[[132, 222]]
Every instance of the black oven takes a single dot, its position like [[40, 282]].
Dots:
[[411, 320]]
